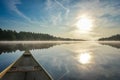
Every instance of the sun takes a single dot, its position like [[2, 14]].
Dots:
[[84, 24]]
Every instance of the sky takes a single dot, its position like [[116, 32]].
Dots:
[[79, 19]]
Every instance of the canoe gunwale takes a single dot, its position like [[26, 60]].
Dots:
[[43, 68], [9, 68]]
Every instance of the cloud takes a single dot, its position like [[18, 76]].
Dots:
[[48, 4], [67, 10], [56, 19], [12, 5], [57, 12], [98, 10]]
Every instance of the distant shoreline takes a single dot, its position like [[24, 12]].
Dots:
[[51, 41], [38, 41], [9, 35], [111, 38]]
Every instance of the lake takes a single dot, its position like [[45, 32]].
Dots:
[[68, 60]]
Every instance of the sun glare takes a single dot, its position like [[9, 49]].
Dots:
[[84, 58], [84, 24]]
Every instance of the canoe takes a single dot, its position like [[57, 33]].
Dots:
[[26, 68]]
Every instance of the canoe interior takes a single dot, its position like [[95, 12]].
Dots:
[[26, 68]]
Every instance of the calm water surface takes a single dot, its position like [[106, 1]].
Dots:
[[69, 61]]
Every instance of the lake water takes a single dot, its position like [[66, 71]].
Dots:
[[69, 60]]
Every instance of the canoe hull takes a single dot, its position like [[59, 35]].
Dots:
[[26, 68]]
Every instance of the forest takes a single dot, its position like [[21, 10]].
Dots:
[[22, 36], [112, 38]]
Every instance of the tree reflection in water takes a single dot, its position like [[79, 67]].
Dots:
[[22, 47]]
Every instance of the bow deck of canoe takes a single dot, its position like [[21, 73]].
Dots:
[[26, 68]]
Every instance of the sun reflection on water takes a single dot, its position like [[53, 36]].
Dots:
[[84, 58]]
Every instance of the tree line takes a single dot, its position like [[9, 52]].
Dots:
[[13, 35], [112, 38]]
